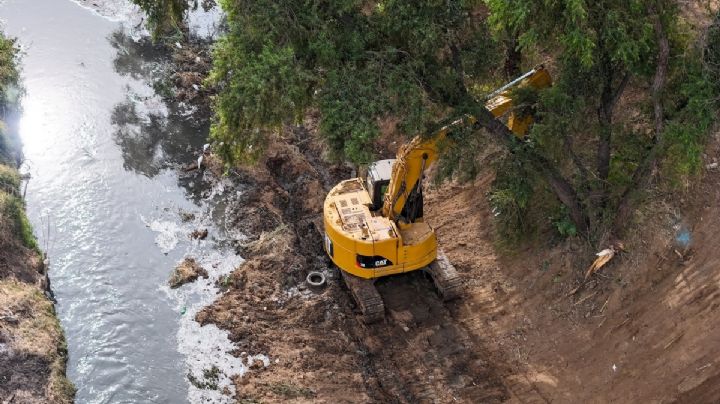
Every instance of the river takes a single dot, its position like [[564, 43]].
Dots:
[[107, 204]]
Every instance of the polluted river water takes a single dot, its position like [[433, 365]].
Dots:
[[111, 210]]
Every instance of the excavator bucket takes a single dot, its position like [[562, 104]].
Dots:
[[500, 102]]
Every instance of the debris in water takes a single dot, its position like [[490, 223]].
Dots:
[[187, 216], [199, 234], [188, 271]]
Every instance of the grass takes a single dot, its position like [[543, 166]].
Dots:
[[15, 223], [9, 179], [37, 332]]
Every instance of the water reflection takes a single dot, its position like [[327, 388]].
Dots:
[[153, 131], [98, 138]]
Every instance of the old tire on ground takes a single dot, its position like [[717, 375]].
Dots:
[[316, 280]]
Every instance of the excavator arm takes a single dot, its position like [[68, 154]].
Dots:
[[403, 198]]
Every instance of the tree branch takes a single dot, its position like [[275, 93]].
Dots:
[[646, 170], [559, 184], [619, 91], [584, 172]]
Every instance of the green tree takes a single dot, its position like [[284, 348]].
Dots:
[[601, 48], [362, 63], [356, 62], [10, 93], [165, 17]]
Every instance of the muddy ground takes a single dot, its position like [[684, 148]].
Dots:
[[642, 330]]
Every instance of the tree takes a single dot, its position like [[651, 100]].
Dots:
[[165, 17], [10, 94], [363, 63], [357, 62]]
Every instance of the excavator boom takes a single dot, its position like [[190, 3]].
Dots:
[[415, 157]]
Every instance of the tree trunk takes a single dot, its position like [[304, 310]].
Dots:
[[608, 99], [648, 166], [605, 119], [513, 58], [560, 186], [567, 195]]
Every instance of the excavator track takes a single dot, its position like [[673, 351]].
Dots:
[[445, 277], [364, 293], [366, 296]]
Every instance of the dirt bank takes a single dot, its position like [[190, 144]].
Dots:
[[32, 345], [642, 330], [319, 350]]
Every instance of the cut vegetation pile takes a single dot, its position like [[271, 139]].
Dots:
[[32, 345]]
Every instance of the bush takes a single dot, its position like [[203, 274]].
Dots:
[[14, 220], [9, 180]]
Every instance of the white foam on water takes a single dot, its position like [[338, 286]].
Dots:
[[114, 10], [168, 236], [207, 349]]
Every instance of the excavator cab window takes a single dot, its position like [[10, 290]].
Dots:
[[378, 179]]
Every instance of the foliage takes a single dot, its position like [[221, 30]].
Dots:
[[361, 63], [165, 17], [12, 215], [9, 179], [564, 225], [601, 48], [695, 90], [510, 198], [10, 93], [356, 62], [711, 52], [9, 75]]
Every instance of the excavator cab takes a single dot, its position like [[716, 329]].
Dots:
[[378, 179]]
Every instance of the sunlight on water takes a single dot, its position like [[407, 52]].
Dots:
[[105, 201]]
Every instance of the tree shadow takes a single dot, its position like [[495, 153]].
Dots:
[[154, 131]]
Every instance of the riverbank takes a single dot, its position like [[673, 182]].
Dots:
[[33, 352], [518, 334], [641, 330]]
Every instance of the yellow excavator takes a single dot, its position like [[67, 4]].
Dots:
[[374, 227]]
